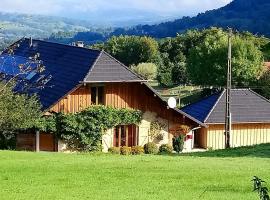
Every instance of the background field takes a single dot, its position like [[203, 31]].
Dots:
[[213, 175]]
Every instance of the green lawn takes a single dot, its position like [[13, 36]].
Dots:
[[57, 176]]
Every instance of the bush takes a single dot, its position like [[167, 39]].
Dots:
[[150, 148], [137, 150], [125, 150], [146, 70], [178, 143], [165, 149], [7, 141], [83, 131], [114, 150]]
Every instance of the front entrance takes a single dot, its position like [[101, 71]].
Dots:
[[125, 135]]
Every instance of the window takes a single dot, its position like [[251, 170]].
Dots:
[[125, 136], [97, 95]]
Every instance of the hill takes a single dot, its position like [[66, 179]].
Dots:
[[14, 26], [242, 15]]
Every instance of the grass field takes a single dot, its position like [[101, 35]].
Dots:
[[211, 175]]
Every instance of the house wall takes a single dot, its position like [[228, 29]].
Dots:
[[144, 130], [201, 134], [127, 95], [120, 95], [242, 135]]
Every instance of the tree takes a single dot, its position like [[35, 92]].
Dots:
[[132, 50], [18, 110], [207, 61], [146, 70], [164, 75], [264, 84]]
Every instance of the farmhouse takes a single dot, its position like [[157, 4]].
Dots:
[[250, 119], [83, 77]]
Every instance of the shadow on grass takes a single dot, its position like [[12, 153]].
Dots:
[[259, 151]]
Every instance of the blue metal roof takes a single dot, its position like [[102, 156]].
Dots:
[[68, 66], [201, 109]]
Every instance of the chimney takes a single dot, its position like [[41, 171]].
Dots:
[[30, 42]]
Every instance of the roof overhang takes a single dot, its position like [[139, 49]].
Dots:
[[115, 81], [175, 109], [238, 123]]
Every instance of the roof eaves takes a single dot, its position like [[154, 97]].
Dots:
[[190, 117], [236, 122], [175, 109], [117, 81], [58, 100], [206, 118]]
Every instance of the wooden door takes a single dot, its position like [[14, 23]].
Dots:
[[47, 142]]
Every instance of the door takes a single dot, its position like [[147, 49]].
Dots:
[[47, 142], [125, 135]]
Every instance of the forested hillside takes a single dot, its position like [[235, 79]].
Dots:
[[242, 15]]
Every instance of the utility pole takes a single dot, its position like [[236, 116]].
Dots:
[[228, 121]]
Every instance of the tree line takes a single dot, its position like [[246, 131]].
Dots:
[[197, 57]]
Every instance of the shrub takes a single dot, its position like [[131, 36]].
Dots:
[[114, 150], [165, 149], [83, 131], [150, 148], [178, 143], [146, 70], [7, 141], [137, 150], [125, 150]]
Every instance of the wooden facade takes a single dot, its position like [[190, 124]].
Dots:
[[119, 95], [242, 135], [28, 141]]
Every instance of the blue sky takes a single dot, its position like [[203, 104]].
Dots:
[[113, 10]]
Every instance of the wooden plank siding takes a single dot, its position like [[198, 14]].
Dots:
[[120, 95], [74, 102], [242, 135]]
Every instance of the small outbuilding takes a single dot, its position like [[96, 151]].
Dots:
[[250, 119]]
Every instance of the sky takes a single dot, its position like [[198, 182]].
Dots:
[[113, 10]]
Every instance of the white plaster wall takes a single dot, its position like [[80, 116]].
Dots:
[[144, 129], [107, 140], [62, 147]]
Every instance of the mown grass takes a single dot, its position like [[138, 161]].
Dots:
[[84, 176]]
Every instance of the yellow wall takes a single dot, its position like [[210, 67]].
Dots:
[[242, 135]]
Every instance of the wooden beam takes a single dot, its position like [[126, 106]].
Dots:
[[37, 141]]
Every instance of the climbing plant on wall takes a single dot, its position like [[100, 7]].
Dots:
[[83, 130]]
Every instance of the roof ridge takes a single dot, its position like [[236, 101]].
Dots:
[[123, 65], [199, 100], [93, 65], [61, 44], [210, 112], [262, 97]]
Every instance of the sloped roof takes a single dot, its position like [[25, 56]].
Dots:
[[108, 69], [71, 66], [246, 107]]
